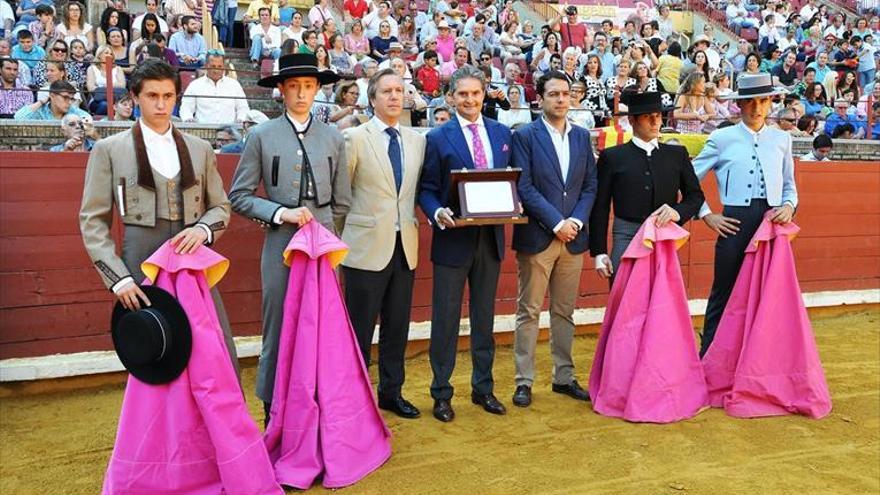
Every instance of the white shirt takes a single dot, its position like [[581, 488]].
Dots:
[[6, 13], [197, 104], [836, 31], [162, 153], [648, 146], [272, 38], [372, 21], [562, 146], [300, 128], [298, 36], [734, 11], [810, 157], [468, 138], [362, 84], [386, 64], [807, 12], [387, 140]]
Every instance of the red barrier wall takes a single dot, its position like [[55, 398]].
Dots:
[[52, 301]]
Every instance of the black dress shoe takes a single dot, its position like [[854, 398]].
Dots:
[[443, 410], [572, 390], [400, 406], [523, 396], [489, 403]]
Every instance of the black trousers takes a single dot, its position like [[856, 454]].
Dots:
[[729, 255], [385, 295], [481, 276]]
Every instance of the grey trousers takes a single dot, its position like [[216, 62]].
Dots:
[[622, 233], [139, 243], [275, 276], [560, 271]]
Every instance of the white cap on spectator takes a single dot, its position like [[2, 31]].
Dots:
[[395, 45], [443, 24]]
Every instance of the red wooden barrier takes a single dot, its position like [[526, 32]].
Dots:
[[52, 301]]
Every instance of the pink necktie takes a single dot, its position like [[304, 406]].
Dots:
[[480, 161]]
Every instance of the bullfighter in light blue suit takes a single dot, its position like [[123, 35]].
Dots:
[[754, 169]]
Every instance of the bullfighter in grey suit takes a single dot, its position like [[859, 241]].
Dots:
[[301, 164], [164, 184]]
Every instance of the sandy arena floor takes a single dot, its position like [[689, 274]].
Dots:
[[59, 443]]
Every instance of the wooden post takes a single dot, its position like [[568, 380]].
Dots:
[[108, 75]]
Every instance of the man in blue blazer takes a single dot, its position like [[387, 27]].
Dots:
[[754, 169], [557, 189], [461, 254]]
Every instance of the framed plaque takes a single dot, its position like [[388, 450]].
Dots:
[[485, 197]]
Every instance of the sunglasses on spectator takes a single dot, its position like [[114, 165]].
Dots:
[[59, 49], [485, 59]]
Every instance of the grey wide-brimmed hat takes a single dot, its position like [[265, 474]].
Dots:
[[753, 86]]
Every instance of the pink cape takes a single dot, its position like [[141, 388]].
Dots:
[[764, 361], [646, 367], [324, 418], [193, 435]]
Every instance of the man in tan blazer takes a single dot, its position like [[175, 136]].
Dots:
[[381, 229], [165, 185]]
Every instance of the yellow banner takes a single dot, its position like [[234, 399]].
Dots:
[[607, 137]]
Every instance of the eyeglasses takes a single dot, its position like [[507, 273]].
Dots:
[[64, 96], [59, 50], [485, 59]]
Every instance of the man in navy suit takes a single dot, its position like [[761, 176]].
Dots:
[[461, 254], [557, 188]]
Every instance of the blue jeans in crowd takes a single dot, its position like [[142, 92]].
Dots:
[[866, 77], [741, 22], [226, 32], [257, 51]]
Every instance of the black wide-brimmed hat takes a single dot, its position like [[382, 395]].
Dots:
[[155, 342], [642, 103], [298, 65]]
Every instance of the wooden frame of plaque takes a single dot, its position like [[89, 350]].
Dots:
[[481, 212]]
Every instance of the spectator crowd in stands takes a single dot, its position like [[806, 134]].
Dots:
[[55, 65]]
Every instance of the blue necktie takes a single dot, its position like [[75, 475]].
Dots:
[[394, 156]]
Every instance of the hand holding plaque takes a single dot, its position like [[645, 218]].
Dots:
[[486, 197]]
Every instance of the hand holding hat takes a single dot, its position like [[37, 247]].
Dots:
[[153, 343]]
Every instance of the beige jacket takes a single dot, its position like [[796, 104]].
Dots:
[[376, 206], [114, 169]]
